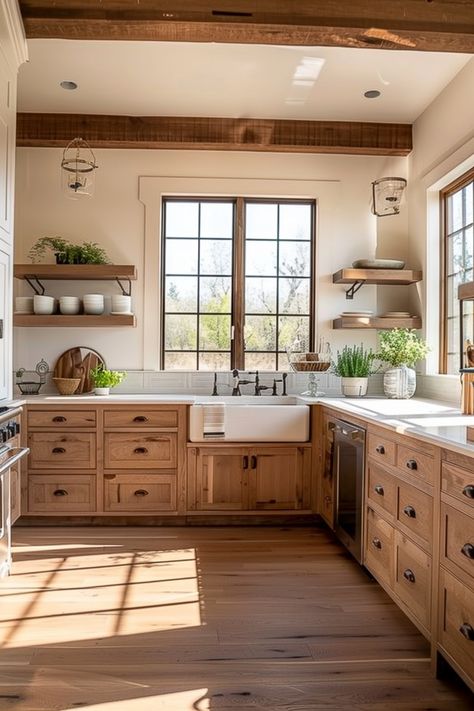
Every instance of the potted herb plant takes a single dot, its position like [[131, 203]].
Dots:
[[353, 365], [105, 379], [401, 348], [67, 253]]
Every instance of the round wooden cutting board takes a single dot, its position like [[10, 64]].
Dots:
[[77, 363]]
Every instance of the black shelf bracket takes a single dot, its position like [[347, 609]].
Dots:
[[38, 288], [354, 288], [125, 292]]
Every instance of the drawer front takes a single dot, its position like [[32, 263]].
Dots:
[[125, 450], [48, 493], [130, 492], [379, 547], [382, 489], [458, 539], [60, 419], [416, 464], [413, 578], [456, 621], [15, 492], [381, 449], [141, 419], [458, 483], [415, 512], [66, 450]]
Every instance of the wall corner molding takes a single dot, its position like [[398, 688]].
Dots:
[[16, 33]]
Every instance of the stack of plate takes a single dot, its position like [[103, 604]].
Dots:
[[365, 314], [396, 314]]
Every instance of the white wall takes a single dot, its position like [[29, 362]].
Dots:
[[114, 217], [443, 138]]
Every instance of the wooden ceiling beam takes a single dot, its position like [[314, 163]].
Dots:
[[430, 25], [344, 137]]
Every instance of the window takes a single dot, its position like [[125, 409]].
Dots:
[[457, 204], [237, 282]]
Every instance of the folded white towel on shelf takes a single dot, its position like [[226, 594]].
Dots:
[[213, 420]]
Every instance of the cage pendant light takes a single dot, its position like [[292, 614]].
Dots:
[[78, 169], [387, 195]]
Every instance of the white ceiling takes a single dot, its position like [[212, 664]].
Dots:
[[236, 81]]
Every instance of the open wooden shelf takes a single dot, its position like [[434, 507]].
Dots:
[[79, 321], [377, 276], [466, 291], [376, 322], [75, 271]]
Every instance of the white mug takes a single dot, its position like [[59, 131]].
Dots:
[[43, 305], [93, 304], [69, 304], [121, 304]]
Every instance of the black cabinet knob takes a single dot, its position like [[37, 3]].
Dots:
[[409, 575], [409, 511], [412, 464], [60, 492], [140, 418], [469, 491], [468, 550], [467, 631], [141, 492], [378, 488], [253, 462], [140, 450], [380, 449], [377, 543], [59, 418], [245, 462], [58, 450]]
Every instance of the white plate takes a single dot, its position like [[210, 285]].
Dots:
[[357, 313], [397, 314], [121, 313]]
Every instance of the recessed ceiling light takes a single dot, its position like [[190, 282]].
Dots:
[[68, 85], [372, 94]]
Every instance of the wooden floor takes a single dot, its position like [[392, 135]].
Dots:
[[205, 619]]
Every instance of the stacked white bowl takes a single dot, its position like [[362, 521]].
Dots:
[[43, 305], [121, 304], [24, 305], [93, 304], [69, 305]]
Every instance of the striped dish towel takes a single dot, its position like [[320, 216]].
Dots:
[[213, 421]]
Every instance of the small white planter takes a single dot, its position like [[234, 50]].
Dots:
[[354, 387], [102, 391], [399, 383]]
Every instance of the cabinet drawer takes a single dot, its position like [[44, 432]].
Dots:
[[416, 464], [381, 449], [458, 483], [65, 450], [457, 538], [415, 512], [143, 492], [48, 493], [456, 621], [123, 450], [382, 489], [413, 578], [379, 547], [138, 418], [60, 419]]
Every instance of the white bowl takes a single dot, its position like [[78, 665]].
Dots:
[[69, 309], [94, 309], [24, 304], [43, 305]]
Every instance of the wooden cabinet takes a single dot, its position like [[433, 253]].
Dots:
[[135, 450], [236, 478], [62, 450], [327, 498], [52, 419], [146, 492], [51, 493], [456, 623], [379, 550], [412, 581]]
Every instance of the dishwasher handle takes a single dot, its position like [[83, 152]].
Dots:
[[14, 455]]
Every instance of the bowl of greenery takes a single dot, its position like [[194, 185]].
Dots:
[[105, 379], [68, 253], [400, 348], [354, 365]]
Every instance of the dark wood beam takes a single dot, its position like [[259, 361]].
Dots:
[[352, 138], [431, 25]]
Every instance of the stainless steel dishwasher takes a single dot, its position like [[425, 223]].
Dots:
[[348, 474]]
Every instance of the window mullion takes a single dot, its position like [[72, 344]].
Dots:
[[238, 286]]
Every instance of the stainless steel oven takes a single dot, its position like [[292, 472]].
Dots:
[[8, 457], [348, 455]]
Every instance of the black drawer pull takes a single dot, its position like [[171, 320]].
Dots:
[[380, 449], [377, 543], [141, 492], [469, 491], [467, 631], [58, 450], [468, 550], [409, 575], [140, 450], [378, 488], [60, 492], [253, 462], [140, 418], [409, 511], [245, 462], [412, 464], [59, 418]]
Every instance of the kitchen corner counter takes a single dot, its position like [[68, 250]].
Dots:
[[436, 422], [122, 399]]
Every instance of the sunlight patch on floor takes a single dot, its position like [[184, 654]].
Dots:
[[192, 700]]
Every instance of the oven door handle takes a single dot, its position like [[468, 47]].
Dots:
[[14, 455]]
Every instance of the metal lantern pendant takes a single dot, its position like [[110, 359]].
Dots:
[[78, 169], [387, 195]]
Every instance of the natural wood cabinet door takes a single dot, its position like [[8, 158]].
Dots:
[[276, 479], [51, 493], [152, 493], [327, 483], [221, 479], [62, 450], [135, 450]]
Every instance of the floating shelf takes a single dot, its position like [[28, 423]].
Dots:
[[81, 272], [376, 322], [80, 321], [377, 276], [466, 291]]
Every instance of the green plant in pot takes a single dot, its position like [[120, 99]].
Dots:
[[354, 365], [105, 379], [401, 348], [67, 253]]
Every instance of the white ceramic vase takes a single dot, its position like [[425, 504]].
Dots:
[[354, 387], [102, 391], [399, 383]]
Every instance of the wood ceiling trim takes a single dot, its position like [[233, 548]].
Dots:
[[343, 137], [444, 25]]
